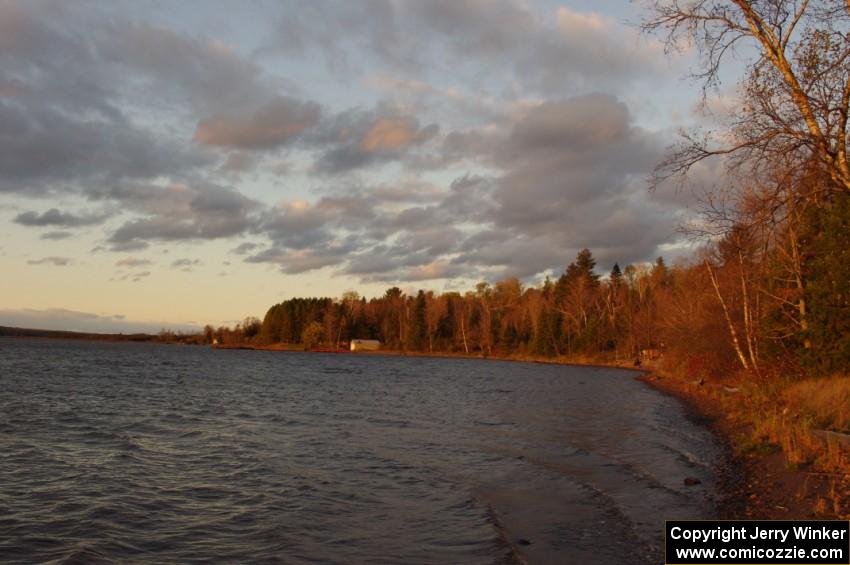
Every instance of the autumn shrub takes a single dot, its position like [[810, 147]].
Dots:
[[313, 335]]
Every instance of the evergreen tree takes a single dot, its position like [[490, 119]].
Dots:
[[828, 286], [582, 267], [659, 274], [616, 276], [417, 332]]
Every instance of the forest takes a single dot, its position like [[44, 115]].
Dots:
[[763, 303], [736, 306]]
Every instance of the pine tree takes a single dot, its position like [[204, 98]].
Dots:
[[616, 276], [660, 273], [417, 332], [828, 286], [582, 267]]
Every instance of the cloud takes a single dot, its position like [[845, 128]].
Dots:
[[178, 212], [435, 270], [235, 103], [399, 262], [298, 261], [133, 245], [300, 225], [203, 72], [356, 139], [47, 149], [408, 191], [132, 262], [566, 174], [65, 124], [511, 147], [132, 276], [455, 103], [186, 265], [38, 53], [56, 235], [238, 162], [52, 260], [505, 41], [244, 248], [12, 88], [361, 233], [519, 256], [54, 217], [280, 121], [391, 134], [566, 156]]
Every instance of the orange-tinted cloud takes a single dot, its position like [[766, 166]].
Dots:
[[389, 134], [276, 123]]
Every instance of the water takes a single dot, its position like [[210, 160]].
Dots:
[[143, 453]]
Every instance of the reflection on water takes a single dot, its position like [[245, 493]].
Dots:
[[129, 452]]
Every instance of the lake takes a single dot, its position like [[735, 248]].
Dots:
[[122, 452]]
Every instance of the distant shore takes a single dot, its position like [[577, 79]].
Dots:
[[10, 331]]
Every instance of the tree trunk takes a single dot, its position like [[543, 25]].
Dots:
[[749, 319], [463, 332], [733, 334], [801, 290]]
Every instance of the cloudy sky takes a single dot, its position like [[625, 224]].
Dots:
[[179, 163]]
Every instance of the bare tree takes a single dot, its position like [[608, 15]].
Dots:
[[796, 91], [436, 308], [484, 297]]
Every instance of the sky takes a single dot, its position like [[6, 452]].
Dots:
[[173, 164]]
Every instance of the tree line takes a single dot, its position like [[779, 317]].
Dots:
[[710, 315], [768, 290]]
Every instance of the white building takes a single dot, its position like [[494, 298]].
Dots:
[[365, 345]]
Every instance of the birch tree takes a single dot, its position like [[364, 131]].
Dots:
[[797, 86]]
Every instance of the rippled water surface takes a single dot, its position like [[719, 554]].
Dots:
[[143, 453]]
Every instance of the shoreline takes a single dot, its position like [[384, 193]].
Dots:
[[755, 484], [442, 355]]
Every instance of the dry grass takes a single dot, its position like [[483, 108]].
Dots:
[[792, 416], [822, 403], [804, 419]]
